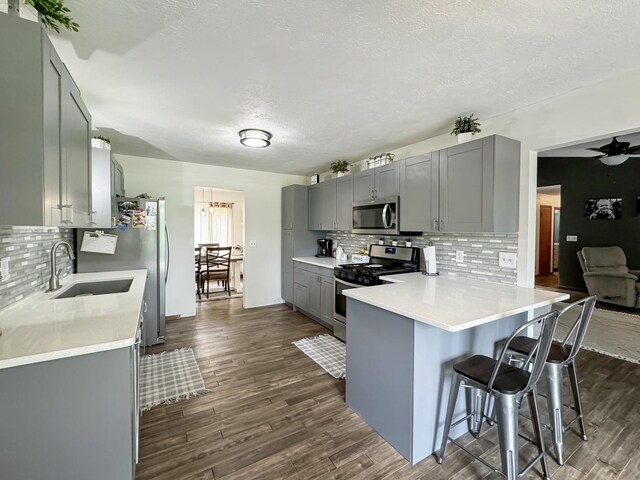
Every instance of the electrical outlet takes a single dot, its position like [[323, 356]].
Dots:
[[253, 243], [4, 269], [572, 238], [507, 259], [459, 256]]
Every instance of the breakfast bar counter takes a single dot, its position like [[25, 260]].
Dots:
[[403, 339]]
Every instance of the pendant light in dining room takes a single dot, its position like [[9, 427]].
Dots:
[[203, 212]]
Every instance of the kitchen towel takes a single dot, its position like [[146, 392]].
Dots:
[[430, 260]]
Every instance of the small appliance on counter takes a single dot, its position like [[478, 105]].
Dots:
[[325, 247], [383, 260]]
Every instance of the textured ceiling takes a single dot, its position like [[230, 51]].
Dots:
[[580, 150], [330, 79]]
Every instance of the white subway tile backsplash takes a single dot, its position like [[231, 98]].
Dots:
[[27, 249], [478, 249]]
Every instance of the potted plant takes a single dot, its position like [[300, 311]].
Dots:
[[340, 167], [52, 13], [465, 127]]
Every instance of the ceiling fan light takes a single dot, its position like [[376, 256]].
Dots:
[[614, 160], [212, 209], [254, 138], [203, 212]]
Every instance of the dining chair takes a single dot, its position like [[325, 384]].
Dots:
[[217, 267], [198, 271]]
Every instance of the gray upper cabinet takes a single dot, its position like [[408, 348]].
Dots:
[[107, 183], [117, 179], [419, 193], [363, 185], [387, 180], [287, 208], [316, 212], [45, 132], [344, 200], [329, 204], [379, 182], [479, 186]]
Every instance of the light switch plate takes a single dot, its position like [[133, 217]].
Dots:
[[572, 238], [459, 256], [507, 259], [253, 243]]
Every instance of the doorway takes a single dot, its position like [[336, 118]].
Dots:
[[548, 203], [218, 243]]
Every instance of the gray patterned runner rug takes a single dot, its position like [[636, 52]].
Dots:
[[327, 351], [169, 377]]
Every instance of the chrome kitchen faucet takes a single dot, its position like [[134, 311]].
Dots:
[[54, 280]]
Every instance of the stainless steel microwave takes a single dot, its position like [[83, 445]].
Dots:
[[379, 216]]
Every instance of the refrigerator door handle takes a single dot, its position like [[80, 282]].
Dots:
[[166, 269]]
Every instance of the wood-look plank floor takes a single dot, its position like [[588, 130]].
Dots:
[[273, 413]]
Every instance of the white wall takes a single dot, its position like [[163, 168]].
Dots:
[[553, 201], [262, 195], [588, 113]]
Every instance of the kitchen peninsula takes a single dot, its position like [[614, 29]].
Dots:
[[403, 339]]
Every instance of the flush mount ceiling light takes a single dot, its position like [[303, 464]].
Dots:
[[254, 138]]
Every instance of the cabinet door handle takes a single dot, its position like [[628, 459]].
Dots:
[[371, 193], [441, 224], [375, 194], [435, 224]]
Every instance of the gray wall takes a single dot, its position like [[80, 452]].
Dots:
[[481, 251], [586, 178], [28, 251]]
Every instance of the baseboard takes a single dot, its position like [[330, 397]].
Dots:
[[179, 317]]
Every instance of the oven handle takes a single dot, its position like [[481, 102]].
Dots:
[[354, 285], [384, 215]]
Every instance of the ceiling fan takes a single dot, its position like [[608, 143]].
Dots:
[[615, 153]]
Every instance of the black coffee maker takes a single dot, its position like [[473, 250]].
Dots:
[[325, 247]]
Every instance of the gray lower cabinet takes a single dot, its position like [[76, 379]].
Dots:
[[314, 292], [45, 133], [327, 296], [297, 239], [479, 186], [379, 182], [70, 418]]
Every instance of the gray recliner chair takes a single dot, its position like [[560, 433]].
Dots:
[[607, 276]]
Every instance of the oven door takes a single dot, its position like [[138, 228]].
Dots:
[[376, 217], [340, 308]]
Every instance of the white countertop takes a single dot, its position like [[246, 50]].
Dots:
[[40, 328], [326, 262], [452, 303]]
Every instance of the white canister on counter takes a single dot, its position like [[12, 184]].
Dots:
[[339, 252]]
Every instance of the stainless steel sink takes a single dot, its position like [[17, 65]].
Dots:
[[87, 289]]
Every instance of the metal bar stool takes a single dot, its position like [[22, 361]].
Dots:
[[561, 355], [508, 385]]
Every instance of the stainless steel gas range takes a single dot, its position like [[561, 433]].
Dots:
[[384, 260]]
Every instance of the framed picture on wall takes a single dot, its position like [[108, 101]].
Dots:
[[603, 209]]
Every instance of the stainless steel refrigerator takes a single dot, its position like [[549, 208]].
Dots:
[[143, 242]]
